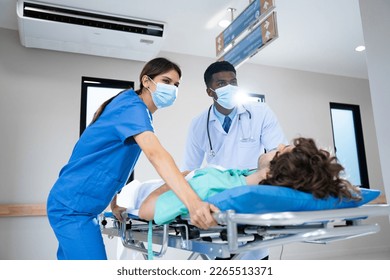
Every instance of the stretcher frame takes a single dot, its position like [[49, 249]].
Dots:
[[239, 233]]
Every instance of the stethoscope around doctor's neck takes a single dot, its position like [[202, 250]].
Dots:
[[242, 138]]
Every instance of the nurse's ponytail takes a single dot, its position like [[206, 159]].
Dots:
[[100, 110]]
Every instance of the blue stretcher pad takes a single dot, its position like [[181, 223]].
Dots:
[[261, 199]]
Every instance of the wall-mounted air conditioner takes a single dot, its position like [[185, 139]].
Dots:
[[47, 26]]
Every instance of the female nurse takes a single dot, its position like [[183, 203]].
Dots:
[[105, 156]]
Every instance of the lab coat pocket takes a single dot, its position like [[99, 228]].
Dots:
[[247, 154]]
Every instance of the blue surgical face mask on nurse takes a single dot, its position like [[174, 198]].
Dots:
[[164, 95], [227, 96]]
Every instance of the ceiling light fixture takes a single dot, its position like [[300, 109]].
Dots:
[[225, 22], [360, 48]]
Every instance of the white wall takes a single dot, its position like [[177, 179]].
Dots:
[[376, 23], [39, 118]]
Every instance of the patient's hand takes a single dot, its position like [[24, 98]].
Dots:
[[117, 211]]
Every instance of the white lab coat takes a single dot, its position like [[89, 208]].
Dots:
[[232, 149]]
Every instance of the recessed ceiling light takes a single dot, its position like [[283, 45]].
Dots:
[[224, 23], [360, 48]]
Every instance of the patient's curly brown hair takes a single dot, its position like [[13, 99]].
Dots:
[[309, 169]]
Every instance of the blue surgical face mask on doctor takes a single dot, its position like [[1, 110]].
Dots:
[[227, 96], [164, 95]]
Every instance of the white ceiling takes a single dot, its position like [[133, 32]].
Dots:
[[314, 35]]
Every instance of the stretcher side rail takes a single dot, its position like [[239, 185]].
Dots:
[[303, 217], [261, 231]]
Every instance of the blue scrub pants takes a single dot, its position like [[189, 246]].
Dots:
[[78, 234]]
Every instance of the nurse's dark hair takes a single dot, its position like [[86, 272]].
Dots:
[[151, 69], [157, 67], [216, 67], [310, 169]]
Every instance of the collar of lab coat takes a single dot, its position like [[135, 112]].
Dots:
[[213, 117]]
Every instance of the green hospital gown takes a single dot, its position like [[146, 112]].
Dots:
[[205, 182]]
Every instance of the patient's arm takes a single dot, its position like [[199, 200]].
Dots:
[[146, 211]]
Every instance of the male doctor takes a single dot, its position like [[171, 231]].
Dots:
[[229, 134]]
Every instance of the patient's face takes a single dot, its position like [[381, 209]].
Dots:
[[266, 158]]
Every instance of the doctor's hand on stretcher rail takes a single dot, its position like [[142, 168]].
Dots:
[[301, 166]]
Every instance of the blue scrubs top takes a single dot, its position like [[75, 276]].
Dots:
[[104, 156]]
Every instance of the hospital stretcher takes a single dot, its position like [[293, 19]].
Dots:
[[238, 233]]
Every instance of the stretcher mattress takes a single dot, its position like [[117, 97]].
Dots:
[[259, 199], [251, 218]]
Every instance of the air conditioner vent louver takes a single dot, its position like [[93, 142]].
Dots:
[[70, 29], [51, 13]]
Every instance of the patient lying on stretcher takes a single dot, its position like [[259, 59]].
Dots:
[[301, 166]]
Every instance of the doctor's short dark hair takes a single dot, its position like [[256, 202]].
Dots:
[[216, 67]]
